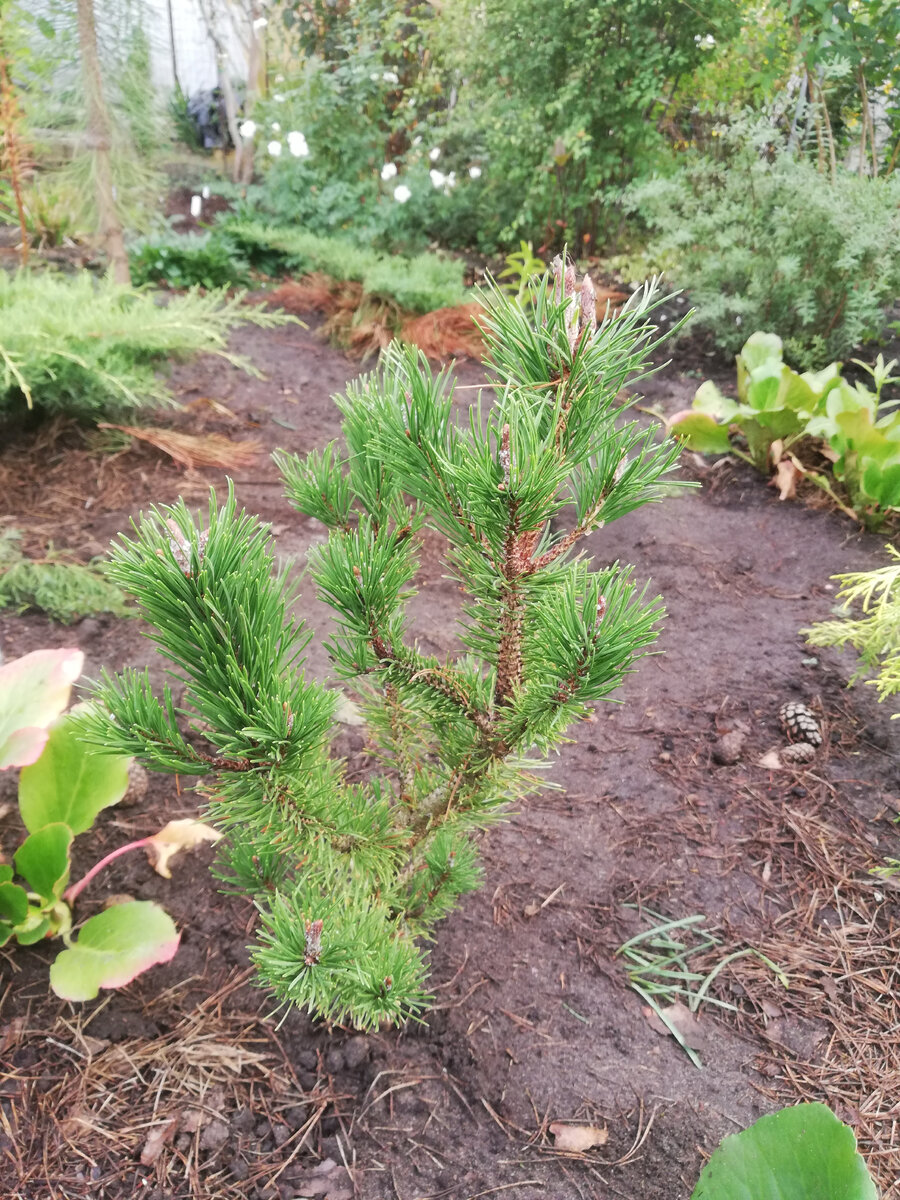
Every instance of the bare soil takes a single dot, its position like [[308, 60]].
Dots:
[[179, 1086]]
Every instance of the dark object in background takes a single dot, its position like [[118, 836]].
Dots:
[[200, 119]]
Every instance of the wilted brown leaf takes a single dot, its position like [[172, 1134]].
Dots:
[[156, 1140], [577, 1138], [687, 1023], [787, 476], [177, 835]]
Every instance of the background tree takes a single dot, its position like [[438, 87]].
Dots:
[[98, 130]]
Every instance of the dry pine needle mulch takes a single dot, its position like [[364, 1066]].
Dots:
[[834, 929], [162, 1116], [363, 325], [193, 450]]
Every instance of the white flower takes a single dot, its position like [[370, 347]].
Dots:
[[388, 171], [374, 76], [434, 154], [391, 77], [248, 129], [204, 192], [260, 23], [417, 141], [438, 178], [738, 320], [451, 180], [474, 172], [276, 127], [402, 193], [196, 206], [297, 144], [274, 148], [278, 98]]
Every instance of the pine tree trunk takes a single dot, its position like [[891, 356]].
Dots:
[[9, 115], [98, 137]]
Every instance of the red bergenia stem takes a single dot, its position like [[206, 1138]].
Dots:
[[72, 893]]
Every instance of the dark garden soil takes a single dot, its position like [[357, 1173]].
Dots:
[[178, 1086]]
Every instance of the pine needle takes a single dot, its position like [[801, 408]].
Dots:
[[192, 450]]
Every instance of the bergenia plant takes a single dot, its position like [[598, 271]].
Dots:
[[777, 408], [63, 786], [350, 876]]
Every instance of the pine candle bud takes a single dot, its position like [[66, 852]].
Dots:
[[558, 269], [571, 282], [588, 318], [572, 310], [313, 942], [181, 547], [504, 457]]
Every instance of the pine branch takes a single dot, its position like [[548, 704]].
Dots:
[[346, 875]]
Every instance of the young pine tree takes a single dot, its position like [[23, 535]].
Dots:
[[350, 877]]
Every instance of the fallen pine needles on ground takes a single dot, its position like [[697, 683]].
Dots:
[[163, 1112], [834, 928], [363, 324], [194, 450]]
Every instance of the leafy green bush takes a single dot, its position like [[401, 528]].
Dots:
[[875, 636], [89, 347], [208, 260], [776, 407], [348, 876], [419, 284], [500, 125], [562, 112], [762, 240]]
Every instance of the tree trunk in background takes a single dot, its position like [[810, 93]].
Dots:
[[9, 116], [98, 139]]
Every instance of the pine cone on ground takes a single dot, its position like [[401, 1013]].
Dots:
[[797, 754], [799, 724]]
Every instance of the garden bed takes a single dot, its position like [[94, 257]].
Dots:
[[178, 1086]]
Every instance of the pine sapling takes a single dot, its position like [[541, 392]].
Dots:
[[350, 877]]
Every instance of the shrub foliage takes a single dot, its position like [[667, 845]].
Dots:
[[765, 241], [349, 876], [89, 347]]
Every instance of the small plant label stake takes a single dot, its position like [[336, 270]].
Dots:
[[348, 877]]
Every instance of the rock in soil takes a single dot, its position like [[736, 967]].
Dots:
[[729, 748]]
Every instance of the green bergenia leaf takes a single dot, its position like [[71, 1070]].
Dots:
[[701, 432], [71, 782], [800, 1153], [13, 908], [43, 861], [113, 948]]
